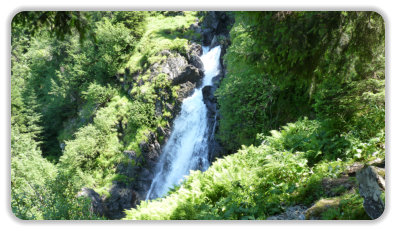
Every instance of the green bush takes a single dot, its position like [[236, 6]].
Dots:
[[114, 45]]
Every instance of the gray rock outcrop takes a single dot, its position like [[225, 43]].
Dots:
[[215, 30], [122, 197], [296, 212], [370, 190], [215, 23]]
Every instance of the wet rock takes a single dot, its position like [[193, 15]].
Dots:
[[370, 190], [209, 99], [186, 89], [214, 42], [189, 74], [207, 36], [216, 80], [143, 181], [195, 49], [215, 31], [208, 93], [210, 24], [215, 150], [195, 60]]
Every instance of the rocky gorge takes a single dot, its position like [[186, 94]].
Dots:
[[198, 115], [186, 72]]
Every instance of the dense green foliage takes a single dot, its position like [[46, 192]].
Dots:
[[303, 98], [284, 65], [257, 182], [72, 116], [58, 84], [60, 70], [324, 67]]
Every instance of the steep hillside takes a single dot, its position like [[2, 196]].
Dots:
[[322, 74], [111, 99], [294, 125], [263, 181]]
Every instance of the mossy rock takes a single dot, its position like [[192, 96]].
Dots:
[[315, 212]]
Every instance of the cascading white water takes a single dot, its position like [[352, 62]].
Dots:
[[187, 147]]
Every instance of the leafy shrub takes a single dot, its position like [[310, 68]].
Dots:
[[29, 170], [114, 44], [250, 184]]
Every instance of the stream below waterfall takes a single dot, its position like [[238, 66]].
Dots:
[[187, 146]]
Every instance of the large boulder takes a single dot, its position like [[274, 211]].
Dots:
[[180, 70], [196, 61], [189, 73], [185, 90], [173, 65], [195, 49], [370, 190]]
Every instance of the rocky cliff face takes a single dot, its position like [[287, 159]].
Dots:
[[185, 72], [215, 32], [371, 185]]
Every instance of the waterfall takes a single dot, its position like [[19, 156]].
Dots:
[[187, 146]]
